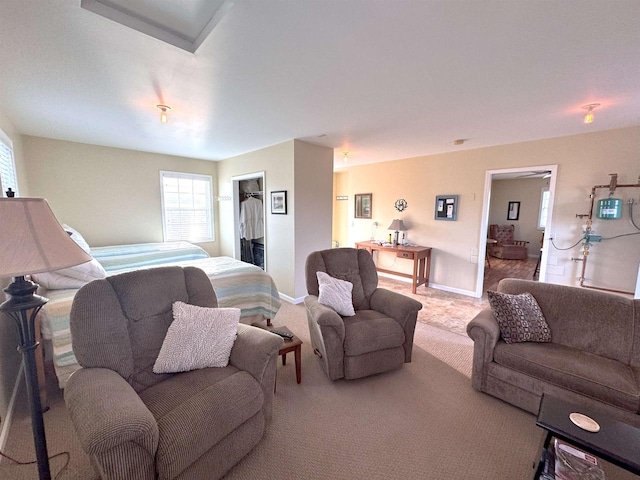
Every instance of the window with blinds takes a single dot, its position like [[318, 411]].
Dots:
[[8, 177], [187, 207]]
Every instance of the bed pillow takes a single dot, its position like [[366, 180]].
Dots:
[[86, 272], [55, 281], [71, 277], [519, 317], [335, 293], [198, 337], [76, 237]]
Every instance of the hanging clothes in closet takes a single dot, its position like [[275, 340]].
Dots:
[[251, 226]]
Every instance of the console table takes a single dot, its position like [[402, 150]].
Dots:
[[421, 257]]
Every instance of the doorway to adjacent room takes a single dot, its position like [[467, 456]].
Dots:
[[526, 267]]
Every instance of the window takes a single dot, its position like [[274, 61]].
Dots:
[[187, 207], [8, 177], [544, 208]]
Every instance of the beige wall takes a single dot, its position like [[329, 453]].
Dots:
[[341, 208], [313, 205], [277, 164], [10, 359], [110, 195], [527, 191], [583, 160], [305, 172]]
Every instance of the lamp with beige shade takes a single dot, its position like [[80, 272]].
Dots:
[[32, 241]]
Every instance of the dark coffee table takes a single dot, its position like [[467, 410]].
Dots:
[[616, 442]]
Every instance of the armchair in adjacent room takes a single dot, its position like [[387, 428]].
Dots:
[[506, 247], [378, 337], [137, 424]]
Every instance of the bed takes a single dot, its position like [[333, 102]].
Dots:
[[237, 284]]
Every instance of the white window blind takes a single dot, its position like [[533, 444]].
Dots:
[[187, 207], [8, 177]]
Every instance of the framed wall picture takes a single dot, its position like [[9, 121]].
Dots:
[[513, 213], [363, 205], [446, 207], [279, 202]]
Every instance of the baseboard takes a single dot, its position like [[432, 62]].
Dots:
[[446, 288], [6, 425], [289, 299], [437, 286], [395, 277]]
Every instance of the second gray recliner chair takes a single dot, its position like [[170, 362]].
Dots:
[[378, 338]]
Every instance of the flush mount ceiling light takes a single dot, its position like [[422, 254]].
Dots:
[[346, 156], [588, 118], [163, 115], [459, 141]]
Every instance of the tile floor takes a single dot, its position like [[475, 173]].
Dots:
[[453, 311]]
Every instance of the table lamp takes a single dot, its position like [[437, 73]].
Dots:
[[396, 225], [32, 241]]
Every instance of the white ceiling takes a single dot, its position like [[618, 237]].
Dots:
[[382, 79]]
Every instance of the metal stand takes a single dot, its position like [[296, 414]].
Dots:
[[22, 307]]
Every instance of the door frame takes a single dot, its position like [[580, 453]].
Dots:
[[484, 222]]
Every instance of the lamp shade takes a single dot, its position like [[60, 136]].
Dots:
[[397, 225], [32, 240]]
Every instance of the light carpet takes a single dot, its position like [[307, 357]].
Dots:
[[422, 421]]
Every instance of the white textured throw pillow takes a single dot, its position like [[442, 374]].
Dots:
[[335, 293], [199, 337]]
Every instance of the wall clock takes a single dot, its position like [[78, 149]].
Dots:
[[401, 205]]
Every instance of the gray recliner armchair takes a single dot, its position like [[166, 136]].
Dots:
[[380, 335], [136, 424]]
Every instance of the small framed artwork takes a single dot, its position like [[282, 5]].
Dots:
[[363, 205], [446, 207], [513, 213], [279, 202]]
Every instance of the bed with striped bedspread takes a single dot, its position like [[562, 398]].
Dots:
[[237, 284]]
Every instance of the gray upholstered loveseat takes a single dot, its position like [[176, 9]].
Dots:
[[136, 424], [593, 358]]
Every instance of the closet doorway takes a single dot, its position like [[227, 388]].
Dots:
[[249, 215]]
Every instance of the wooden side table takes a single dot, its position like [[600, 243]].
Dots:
[[294, 345]]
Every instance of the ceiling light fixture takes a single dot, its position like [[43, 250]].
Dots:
[[346, 156], [163, 115], [588, 118], [459, 141]]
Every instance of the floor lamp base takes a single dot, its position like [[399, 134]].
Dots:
[[22, 307]]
